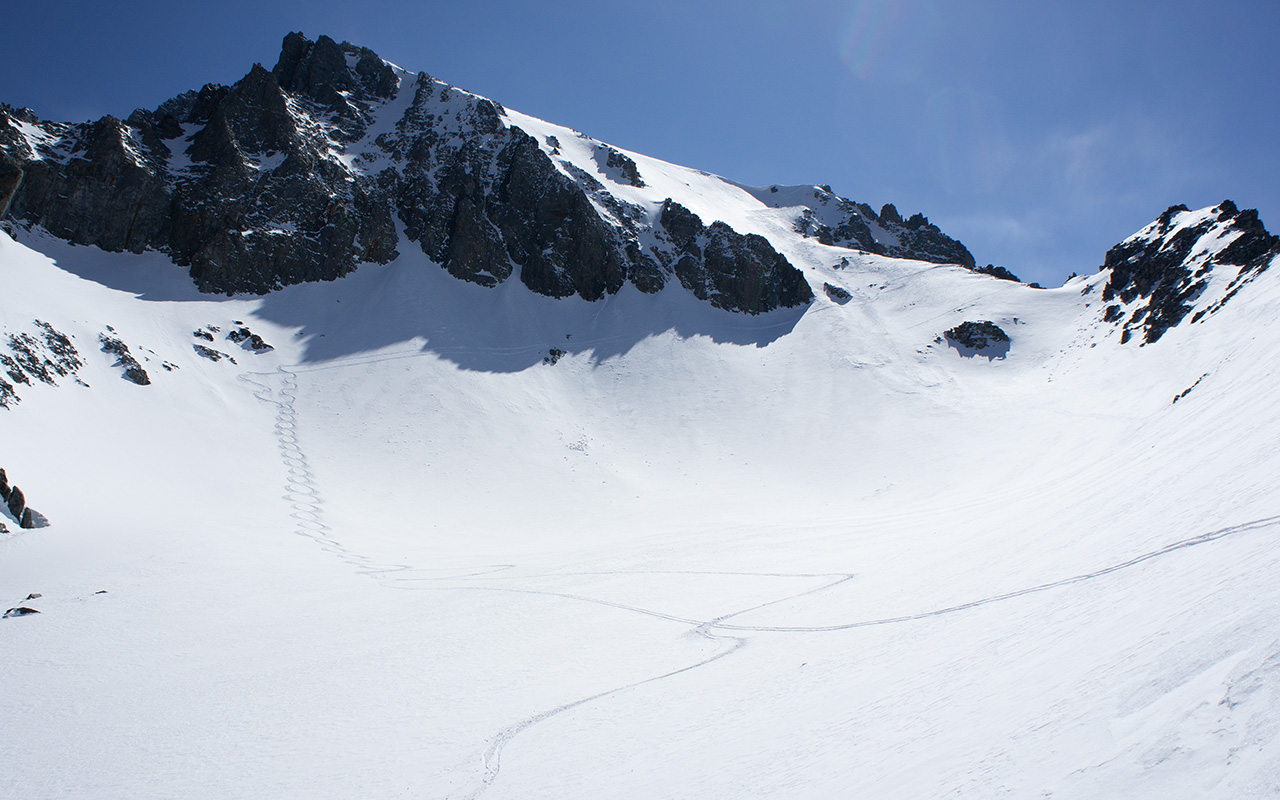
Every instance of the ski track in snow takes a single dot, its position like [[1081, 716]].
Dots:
[[306, 504]]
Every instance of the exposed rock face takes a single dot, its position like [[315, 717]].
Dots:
[[979, 335], [1158, 274], [626, 168], [301, 172], [837, 221], [728, 269], [17, 503], [246, 339], [45, 356], [996, 272], [837, 294], [133, 371], [211, 354]]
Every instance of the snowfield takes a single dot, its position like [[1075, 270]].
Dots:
[[814, 553]]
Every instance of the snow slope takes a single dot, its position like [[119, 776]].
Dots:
[[812, 553]]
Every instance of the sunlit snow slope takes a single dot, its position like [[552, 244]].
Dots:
[[813, 553]]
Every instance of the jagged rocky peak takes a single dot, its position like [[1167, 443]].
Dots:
[[301, 172], [1185, 261], [840, 222], [327, 72]]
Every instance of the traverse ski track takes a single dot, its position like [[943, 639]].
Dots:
[[306, 503]]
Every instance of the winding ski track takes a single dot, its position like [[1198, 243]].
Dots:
[[306, 509]]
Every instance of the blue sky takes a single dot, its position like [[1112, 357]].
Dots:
[[1039, 134]]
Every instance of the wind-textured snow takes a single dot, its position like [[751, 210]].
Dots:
[[807, 554]]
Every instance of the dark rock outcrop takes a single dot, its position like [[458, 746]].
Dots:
[[728, 269], [620, 166], [20, 611], [1158, 274], [979, 336], [996, 272], [4, 486], [17, 503], [209, 353], [45, 356], [840, 222], [248, 340], [133, 371], [836, 293], [553, 356], [10, 179]]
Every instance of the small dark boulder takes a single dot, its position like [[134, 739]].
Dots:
[[837, 294]]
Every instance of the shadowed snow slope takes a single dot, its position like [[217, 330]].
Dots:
[[453, 541]]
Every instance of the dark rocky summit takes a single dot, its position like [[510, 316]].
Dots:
[[303, 171], [1157, 274]]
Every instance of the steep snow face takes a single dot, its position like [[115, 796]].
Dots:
[[454, 541]]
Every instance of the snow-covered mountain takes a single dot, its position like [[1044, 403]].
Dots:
[[517, 465], [301, 172]]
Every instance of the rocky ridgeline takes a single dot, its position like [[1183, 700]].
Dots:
[[1158, 274], [300, 172], [840, 222]]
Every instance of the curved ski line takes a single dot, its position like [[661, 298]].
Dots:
[[493, 753], [304, 498], [1203, 538]]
